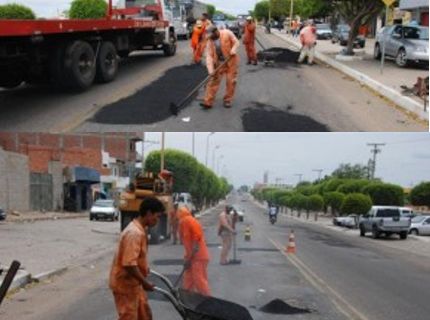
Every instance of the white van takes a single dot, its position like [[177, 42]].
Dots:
[[184, 199]]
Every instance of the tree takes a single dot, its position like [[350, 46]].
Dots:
[[333, 184], [261, 10], [356, 203], [385, 194], [88, 9], [312, 8], [357, 13], [334, 200], [210, 9], [349, 171], [298, 202], [315, 204], [420, 194], [16, 11], [353, 186]]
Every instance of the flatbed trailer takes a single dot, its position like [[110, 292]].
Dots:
[[74, 53]]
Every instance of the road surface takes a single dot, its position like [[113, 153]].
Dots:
[[292, 98], [334, 276]]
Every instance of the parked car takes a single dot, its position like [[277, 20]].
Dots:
[[2, 214], [323, 31], [407, 212], [234, 27], [341, 35], [104, 209], [350, 221], [406, 44], [385, 220], [420, 225]]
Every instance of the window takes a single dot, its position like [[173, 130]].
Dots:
[[388, 213]]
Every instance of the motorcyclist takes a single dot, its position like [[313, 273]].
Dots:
[[273, 213]]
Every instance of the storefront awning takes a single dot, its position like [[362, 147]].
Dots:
[[84, 174]]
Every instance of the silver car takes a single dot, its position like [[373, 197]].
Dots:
[[420, 225], [404, 43]]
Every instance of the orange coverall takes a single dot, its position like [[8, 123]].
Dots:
[[198, 43], [130, 298], [249, 41], [191, 234], [229, 47]]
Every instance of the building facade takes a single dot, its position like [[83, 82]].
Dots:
[[419, 10]]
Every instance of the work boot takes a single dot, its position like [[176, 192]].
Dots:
[[227, 105], [249, 62], [205, 106]]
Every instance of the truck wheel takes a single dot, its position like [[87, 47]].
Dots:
[[170, 49], [375, 233], [377, 52], [403, 235], [79, 65], [362, 231], [107, 63]]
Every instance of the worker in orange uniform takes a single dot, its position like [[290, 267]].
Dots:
[[196, 253], [222, 45], [249, 40], [174, 223], [130, 265], [197, 41]]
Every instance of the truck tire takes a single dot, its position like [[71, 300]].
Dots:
[[79, 65], [404, 235], [107, 63], [170, 48], [375, 232], [362, 231]]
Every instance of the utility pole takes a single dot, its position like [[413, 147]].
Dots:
[[162, 151], [270, 10], [143, 153], [300, 175], [291, 16], [376, 149], [213, 157], [319, 173], [194, 144], [207, 147]]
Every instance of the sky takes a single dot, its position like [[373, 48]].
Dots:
[[244, 157], [50, 8]]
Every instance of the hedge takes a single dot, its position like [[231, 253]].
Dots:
[[16, 11], [88, 9]]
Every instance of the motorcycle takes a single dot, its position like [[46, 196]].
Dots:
[[272, 218]]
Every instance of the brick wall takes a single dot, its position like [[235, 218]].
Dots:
[[14, 182]]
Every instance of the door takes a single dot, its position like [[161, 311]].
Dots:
[[425, 19], [393, 42], [426, 227], [41, 192]]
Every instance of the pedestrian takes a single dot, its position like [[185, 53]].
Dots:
[[226, 232], [196, 255], [174, 223], [130, 264], [221, 45], [294, 27], [308, 40], [249, 40]]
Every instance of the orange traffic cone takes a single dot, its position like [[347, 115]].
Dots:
[[291, 248]]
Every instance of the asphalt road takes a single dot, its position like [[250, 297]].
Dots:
[[292, 98], [335, 276]]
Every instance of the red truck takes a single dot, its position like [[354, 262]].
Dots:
[[74, 53]]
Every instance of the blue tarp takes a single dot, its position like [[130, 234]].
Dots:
[[84, 174]]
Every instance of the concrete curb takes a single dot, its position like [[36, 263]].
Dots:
[[404, 102], [59, 217], [46, 275], [21, 280]]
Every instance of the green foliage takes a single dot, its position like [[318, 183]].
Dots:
[[315, 203], [16, 11], [420, 194], [385, 194], [261, 10], [357, 203], [334, 200], [353, 186], [189, 176], [308, 190], [88, 9], [333, 184], [312, 8], [349, 171], [211, 9], [298, 202]]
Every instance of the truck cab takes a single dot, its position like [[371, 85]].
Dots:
[[385, 220]]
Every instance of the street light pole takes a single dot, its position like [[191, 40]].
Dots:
[[143, 153], [300, 175], [194, 144], [213, 157], [207, 147], [162, 151], [291, 16], [218, 164], [319, 173]]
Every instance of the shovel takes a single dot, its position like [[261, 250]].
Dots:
[[186, 266], [176, 107], [235, 260]]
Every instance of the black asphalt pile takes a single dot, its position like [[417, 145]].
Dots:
[[271, 119], [151, 103], [222, 310], [279, 306], [279, 55]]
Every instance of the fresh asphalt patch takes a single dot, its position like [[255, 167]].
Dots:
[[152, 103], [268, 118], [279, 57], [278, 306]]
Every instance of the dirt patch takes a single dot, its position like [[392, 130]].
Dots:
[[279, 306], [151, 103], [263, 118], [279, 55]]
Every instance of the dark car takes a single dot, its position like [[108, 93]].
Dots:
[[323, 31], [341, 35], [234, 27], [2, 214]]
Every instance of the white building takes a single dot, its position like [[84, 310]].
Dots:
[[418, 8]]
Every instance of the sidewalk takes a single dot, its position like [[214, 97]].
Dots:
[[367, 71], [34, 216]]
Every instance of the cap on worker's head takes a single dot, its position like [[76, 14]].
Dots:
[[249, 18], [199, 23], [183, 212], [211, 30]]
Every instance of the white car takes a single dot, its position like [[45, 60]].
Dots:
[[240, 214], [184, 199], [104, 209], [349, 221], [420, 225]]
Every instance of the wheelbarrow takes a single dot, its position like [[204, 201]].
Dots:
[[194, 306]]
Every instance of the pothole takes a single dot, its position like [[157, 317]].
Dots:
[[278, 306]]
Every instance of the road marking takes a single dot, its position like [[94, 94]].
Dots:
[[340, 303]]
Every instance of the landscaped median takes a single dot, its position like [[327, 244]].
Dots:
[[408, 104]]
